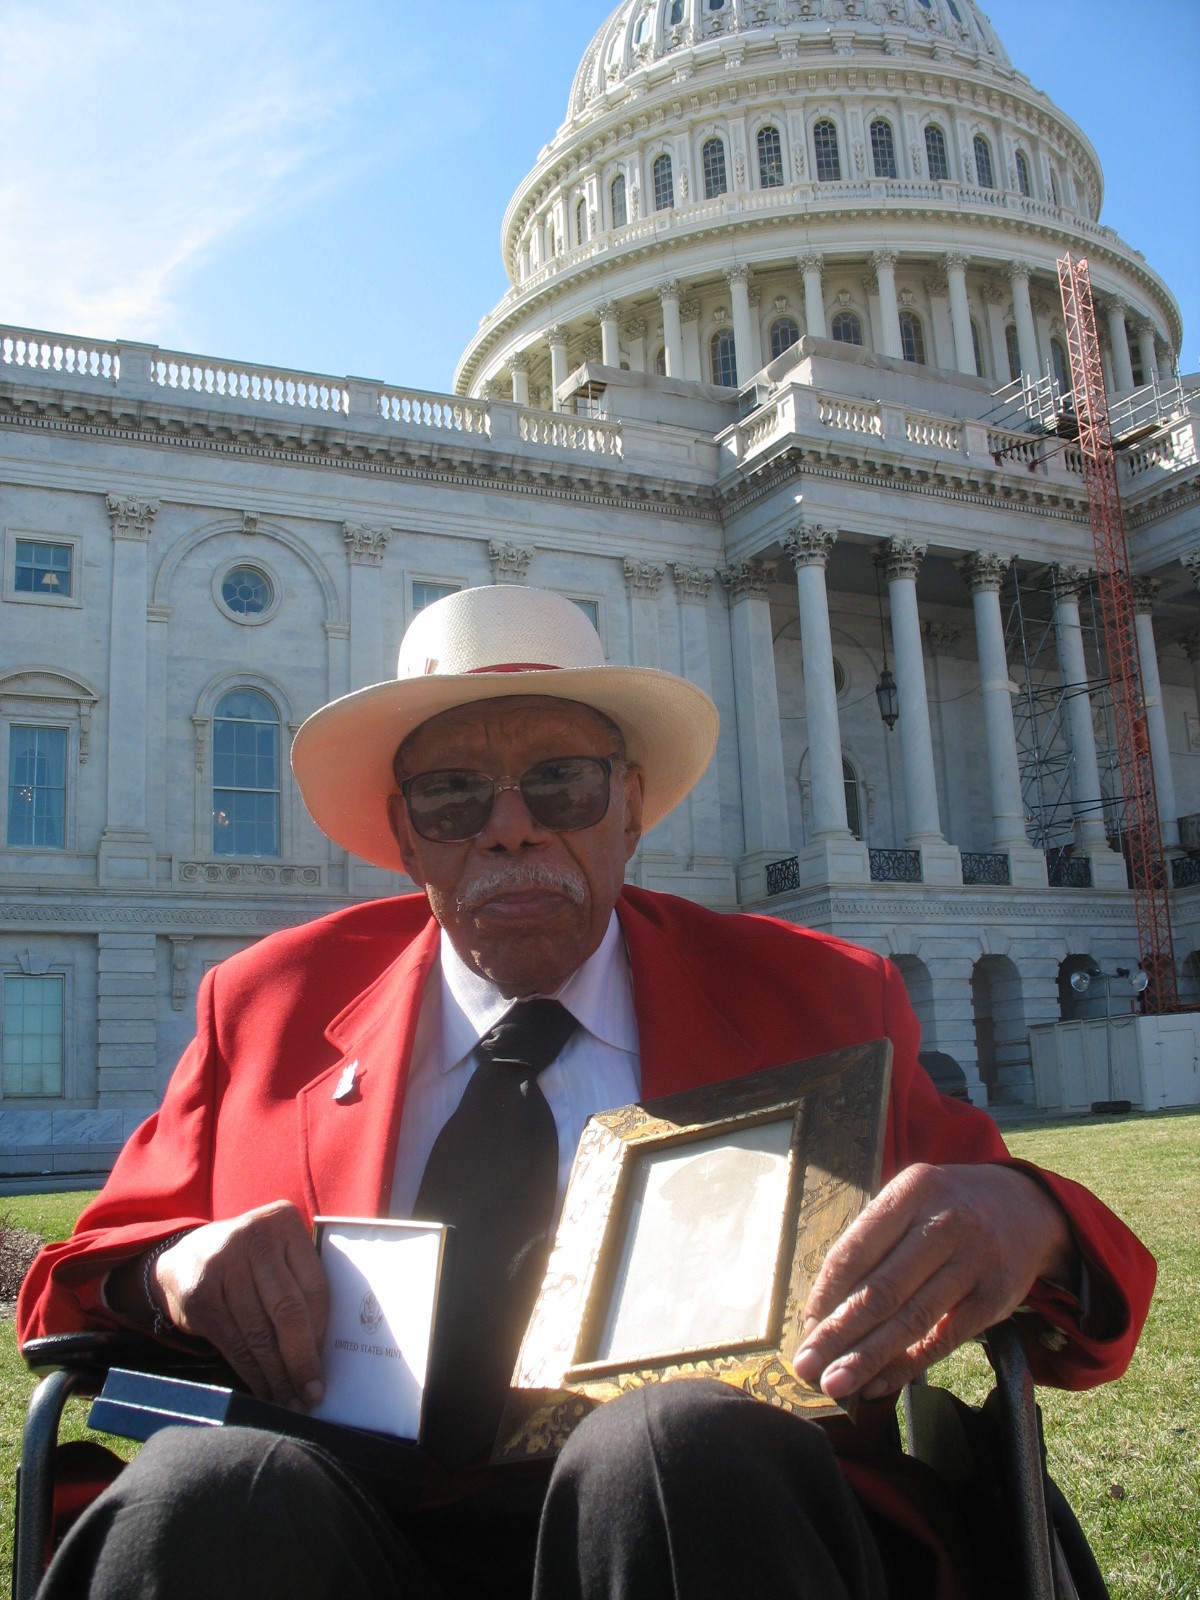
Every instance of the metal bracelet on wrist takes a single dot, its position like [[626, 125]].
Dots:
[[161, 1321]]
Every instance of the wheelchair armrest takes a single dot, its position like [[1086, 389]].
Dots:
[[89, 1355]]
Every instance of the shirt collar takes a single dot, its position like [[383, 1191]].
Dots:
[[599, 995]]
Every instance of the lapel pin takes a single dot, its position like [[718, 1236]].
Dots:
[[347, 1082]]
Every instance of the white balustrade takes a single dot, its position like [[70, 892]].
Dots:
[[570, 433], [420, 410], [196, 375], [935, 432], [849, 416], [51, 352]]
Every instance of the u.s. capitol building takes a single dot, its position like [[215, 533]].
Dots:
[[772, 396]]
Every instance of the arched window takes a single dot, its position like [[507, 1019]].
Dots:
[[976, 348], [712, 160], [1054, 188], [245, 796], [853, 800], [724, 359], [846, 328], [785, 332], [551, 240], [770, 158], [620, 211], [825, 147], [1135, 361], [935, 154], [660, 361], [676, 12], [664, 184], [883, 149], [983, 162], [912, 340], [1058, 365], [1023, 183], [1013, 347]]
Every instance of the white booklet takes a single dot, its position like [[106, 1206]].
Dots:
[[383, 1282]]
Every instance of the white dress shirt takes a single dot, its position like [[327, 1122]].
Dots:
[[599, 1066]]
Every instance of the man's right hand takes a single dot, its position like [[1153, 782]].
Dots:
[[254, 1288]]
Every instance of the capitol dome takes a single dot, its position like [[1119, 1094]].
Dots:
[[736, 174]]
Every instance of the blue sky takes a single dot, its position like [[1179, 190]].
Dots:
[[249, 178]]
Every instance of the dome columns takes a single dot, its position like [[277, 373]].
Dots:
[[518, 366], [744, 342], [814, 300], [1118, 338], [668, 294], [884, 264], [960, 312], [1027, 349], [557, 336], [610, 342]]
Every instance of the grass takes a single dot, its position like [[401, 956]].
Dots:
[[1127, 1456]]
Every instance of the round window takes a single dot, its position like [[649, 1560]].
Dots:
[[247, 592]]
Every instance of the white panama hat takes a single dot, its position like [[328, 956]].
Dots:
[[484, 644]]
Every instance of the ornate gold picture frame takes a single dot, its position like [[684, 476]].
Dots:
[[692, 1232]]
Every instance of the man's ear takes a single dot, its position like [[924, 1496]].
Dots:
[[634, 786], [397, 815]]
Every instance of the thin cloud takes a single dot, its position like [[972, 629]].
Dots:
[[141, 140]]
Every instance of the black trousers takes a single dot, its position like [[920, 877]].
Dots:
[[685, 1490]]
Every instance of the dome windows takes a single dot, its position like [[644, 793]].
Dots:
[[785, 332], [912, 338], [620, 208], [1023, 183], [1012, 347], [581, 222], [664, 184], [935, 154], [676, 13], [825, 149], [984, 175], [770, 158], [724, 359], [712, 161], [883, 149], [846, 328]]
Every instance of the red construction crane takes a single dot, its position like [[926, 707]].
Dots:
[[1147, 868]]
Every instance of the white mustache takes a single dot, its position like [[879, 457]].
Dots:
[[531, 875]]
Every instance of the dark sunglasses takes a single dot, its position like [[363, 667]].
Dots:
[[563, 794]]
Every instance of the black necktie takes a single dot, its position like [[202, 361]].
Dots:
[[492, 1174]]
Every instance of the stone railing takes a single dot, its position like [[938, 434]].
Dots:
[[571, 433], [228, 380], [419, 410], [937, 433], [850, 416], [1170, 451], [52, 352]]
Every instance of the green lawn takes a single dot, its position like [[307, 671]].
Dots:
[[1127, 1456]]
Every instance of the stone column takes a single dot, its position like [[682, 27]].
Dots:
[[558, 362], [126, 852], [1018, 274], [1118, 339], [708, 860], [1108, 868], [995, 299], [738, 279], [1148, 351], [1144, 591], [814, 302], [940, 862], [832, 854], [884, 263], [365, 544], [694, 367], [960, 311], [127, 1030], [643, 580], [760, 740], [518, 365], [668, 294], [984, 573], [610, 343]]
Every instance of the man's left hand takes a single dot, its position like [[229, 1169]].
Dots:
[[939, 1255]]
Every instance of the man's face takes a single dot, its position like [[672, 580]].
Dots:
[[523, 905]]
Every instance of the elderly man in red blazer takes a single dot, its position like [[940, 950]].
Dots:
[[511, 772]]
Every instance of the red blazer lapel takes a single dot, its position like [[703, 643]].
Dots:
[[684, 1040], [350, 1115]]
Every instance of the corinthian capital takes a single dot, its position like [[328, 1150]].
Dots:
[[1144, 592], [365, 543], [510, 562], [809, 544], [811, 261], [984, 570], [692, 583], [607, 310], [1070, 581], [745, 578], [737, 274], [643, 578], [669, 289], [901, 558], [883, 259], [1191, 562], [132, 519], [954, 261]]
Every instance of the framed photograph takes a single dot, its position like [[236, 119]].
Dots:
[[693, 1229]]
